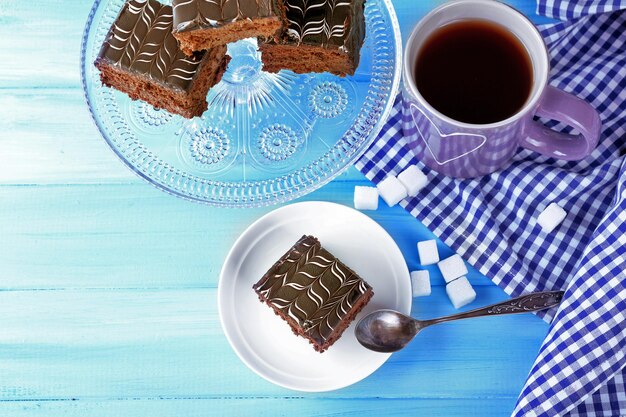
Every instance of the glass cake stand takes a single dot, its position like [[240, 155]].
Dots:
[[266, 138]]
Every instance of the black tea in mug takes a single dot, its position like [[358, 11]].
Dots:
[[474, 71]]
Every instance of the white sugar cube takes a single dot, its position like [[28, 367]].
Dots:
[[453, 267], [365, 198], [391, 190], [413, 180], [428, 252], [420, 281], [551, 217], [460, 292]]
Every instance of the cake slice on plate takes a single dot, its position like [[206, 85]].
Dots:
[[314, 292]]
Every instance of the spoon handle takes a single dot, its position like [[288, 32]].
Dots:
[[526, 303]]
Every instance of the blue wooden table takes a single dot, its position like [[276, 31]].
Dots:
[[108, 286]]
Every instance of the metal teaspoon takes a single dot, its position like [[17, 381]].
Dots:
[[390, 331]]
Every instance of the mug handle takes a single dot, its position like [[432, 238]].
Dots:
[[571, 110]]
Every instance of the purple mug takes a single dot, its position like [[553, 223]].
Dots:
[[464, 150]]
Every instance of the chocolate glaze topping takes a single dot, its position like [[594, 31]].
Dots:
[[200, 14], [312, 287], [141, 41], [328, 23]]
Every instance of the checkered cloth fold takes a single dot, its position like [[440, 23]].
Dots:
[[491, 221]]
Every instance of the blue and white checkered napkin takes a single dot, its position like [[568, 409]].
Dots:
[[580, 369]]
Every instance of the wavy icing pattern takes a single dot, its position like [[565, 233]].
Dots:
[[313, 288], [325, 22], [198, 14], [141, 41]]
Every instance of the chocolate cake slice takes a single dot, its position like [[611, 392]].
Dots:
[[140, 57], [314, 292], [318, 36], [205, 24]]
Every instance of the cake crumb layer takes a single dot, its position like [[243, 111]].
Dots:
[[205, 24]]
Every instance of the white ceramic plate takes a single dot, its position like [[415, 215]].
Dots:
[[263, 340]]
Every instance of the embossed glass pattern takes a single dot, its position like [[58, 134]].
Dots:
[[266, 138]]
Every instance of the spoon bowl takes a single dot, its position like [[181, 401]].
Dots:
[[389, 331], [386, 330]]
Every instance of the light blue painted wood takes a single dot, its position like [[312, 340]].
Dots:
[[132, 343], [134, 236], [264, 407], [53, 28], [108, 286]]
